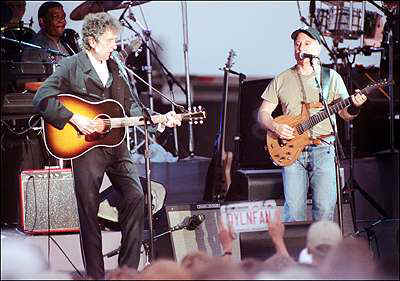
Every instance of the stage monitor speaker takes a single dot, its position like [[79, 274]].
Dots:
[[256, 185], [251, 146], [204, 237], [48, 195]]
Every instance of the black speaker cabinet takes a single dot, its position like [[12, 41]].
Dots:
[[48, 195], [252, 135], [255, 185], [204, 237]]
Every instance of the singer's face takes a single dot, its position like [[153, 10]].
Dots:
[[305, 44], [104, 45]]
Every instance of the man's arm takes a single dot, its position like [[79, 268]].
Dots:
[[276, 231], [53, 111], [353, 110], [264, 117]]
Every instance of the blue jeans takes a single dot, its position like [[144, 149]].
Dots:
[[315, 168]]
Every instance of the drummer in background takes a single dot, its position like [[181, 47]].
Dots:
[[51, 18]]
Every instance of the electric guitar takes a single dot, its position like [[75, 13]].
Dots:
[[285, 152], [218, 177], [69, 143]]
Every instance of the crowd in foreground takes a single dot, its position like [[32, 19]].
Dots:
[[326, 255]]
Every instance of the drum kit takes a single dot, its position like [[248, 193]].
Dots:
[[19, 77], [345, 20]]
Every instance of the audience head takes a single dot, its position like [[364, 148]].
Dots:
[[20, 259], [219, 268], [196, 259], [278, 263], [164, 269], [322, 236]]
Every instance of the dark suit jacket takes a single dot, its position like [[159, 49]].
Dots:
[[71, 77]]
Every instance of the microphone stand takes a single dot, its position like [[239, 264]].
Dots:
[[51, 51], [147, 118], [338, 188], [189, 97], [176, 146]]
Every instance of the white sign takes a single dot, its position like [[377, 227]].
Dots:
[[248, 216]]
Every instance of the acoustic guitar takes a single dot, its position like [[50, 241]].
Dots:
[[285, 152], [69, 143], [218, 177]]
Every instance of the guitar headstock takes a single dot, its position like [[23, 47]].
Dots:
[[368, 89], [229, 61], [195, 116]]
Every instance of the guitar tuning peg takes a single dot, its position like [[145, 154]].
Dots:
[[201, 122], [195, 122]]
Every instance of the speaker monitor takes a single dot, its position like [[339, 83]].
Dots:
[[204, 237], [255, 185], [251, 148], [48, 196]]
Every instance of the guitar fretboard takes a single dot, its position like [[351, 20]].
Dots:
[[323, 114]]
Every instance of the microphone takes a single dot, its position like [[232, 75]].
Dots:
[[115, 57], [195, 221], [305, 55], [189, 223]]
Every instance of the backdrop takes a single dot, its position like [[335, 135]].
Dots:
[[259, 32]]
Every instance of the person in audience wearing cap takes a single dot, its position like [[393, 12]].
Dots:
[[315, 167], [322, 236]]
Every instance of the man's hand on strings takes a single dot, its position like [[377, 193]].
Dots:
[[173, 119], [85, 125], [358, 98]]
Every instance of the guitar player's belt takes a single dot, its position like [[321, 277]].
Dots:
[[321, 139]]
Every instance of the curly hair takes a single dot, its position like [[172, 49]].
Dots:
[[96, 25]]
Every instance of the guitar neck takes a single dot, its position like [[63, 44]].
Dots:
[[322, 115], [136, 121], [157, 119]]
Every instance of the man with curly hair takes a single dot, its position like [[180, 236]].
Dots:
[[91, 75]]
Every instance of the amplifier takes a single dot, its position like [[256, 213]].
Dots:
[[47, 201], [204, 237], [256, 185]]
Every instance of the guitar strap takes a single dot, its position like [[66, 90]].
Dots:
[[325, 77]]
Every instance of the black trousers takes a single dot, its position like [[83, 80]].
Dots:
[[88, 171]]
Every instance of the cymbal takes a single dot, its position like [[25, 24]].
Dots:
[[100, 6]]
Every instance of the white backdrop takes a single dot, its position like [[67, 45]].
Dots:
[[258, 31]]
